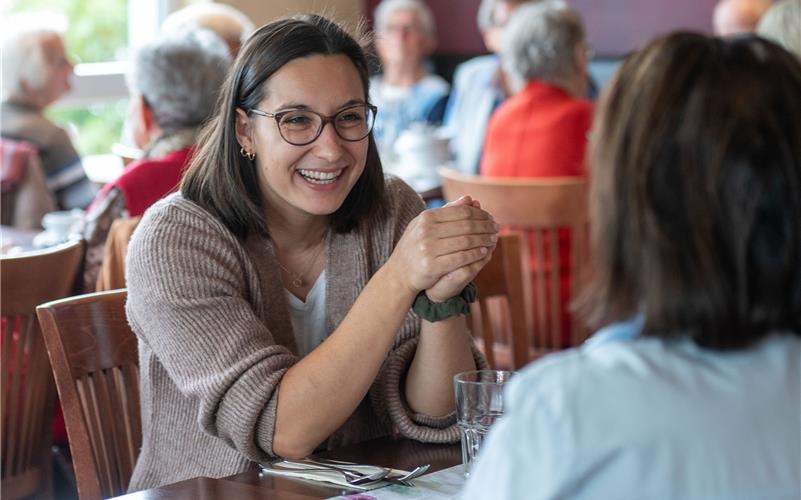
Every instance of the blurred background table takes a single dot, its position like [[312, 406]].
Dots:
[[13, 237], [400, 454]]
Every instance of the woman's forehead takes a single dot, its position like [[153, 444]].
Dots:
[[320, 82]]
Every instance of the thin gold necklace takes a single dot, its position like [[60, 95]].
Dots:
[[297, 279]]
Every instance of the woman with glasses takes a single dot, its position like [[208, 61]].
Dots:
[[272, 295]]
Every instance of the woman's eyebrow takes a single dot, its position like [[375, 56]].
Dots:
[[297, 105]]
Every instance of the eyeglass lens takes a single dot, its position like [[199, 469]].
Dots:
[[301, 127]]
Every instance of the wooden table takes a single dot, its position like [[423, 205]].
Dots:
[[400, 454]]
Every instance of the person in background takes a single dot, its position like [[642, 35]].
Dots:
[[225, 21], [405, 92], [280, 279], [228, 23], [782, 24], [692, 387], [36, 73], [541, 130], [732, 17], [479, 87], [174, 85]]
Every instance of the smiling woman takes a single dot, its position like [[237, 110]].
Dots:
[[272, 294]]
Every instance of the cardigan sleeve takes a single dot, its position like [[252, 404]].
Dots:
[[188, 286], [387, 391]]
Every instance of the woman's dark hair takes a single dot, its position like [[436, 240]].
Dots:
[[224, 182], [696, 192]]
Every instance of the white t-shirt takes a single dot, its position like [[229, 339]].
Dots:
[[308, 318]]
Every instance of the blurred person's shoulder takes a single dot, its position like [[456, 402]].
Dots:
[[479, 69], [649, 374], [27, 123]]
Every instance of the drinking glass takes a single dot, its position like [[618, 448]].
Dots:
[[479, 402]]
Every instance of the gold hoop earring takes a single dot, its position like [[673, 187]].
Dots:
[[247, 154]]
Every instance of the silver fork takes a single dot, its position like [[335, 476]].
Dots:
[[414, 473], [353, 477]]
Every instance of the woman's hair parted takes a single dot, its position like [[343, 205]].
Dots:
[[696, 192], [224, 182]]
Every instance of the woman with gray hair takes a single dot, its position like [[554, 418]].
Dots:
[[174, 85], [541, 131], [405, 92]]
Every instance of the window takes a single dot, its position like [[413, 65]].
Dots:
[[99, 37]]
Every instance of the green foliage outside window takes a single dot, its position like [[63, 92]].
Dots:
[[97, 32]]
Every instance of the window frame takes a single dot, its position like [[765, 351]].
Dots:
[[96, 83]]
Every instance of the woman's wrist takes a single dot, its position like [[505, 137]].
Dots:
[[434, 311], [394, 283]]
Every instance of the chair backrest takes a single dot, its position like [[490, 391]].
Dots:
[[28, 392], [502, 277], [112, 271], [95, 362], [549, 214]]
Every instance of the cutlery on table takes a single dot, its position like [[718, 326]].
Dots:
[[414, 473], [355, 478]]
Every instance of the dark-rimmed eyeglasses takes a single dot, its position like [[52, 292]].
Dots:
[[300, 127]]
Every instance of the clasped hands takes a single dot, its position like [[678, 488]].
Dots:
[[442, 249]]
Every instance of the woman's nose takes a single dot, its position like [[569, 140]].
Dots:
[[329, 145]]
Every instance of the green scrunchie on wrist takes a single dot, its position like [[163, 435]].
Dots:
[[454, 306]]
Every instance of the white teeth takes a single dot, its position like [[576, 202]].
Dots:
[[320, 177]]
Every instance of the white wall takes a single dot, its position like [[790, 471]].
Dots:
[[263, 11]]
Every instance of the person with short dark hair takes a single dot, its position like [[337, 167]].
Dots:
[[692, 387], [272, 295]]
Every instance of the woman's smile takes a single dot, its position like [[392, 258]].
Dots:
[[320, 177]]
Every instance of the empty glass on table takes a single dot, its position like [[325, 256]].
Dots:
[[479, 402]]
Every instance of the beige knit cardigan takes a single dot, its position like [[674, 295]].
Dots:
[[215, 339]]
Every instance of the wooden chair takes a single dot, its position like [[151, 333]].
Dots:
[[502, 278], [28, 392], [537, 209], [112, 271], [94, 356]]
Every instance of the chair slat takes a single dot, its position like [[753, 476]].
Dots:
[[100, 433], [12, 436], [486, 333], [108, 404], [541, 324], [555, 280], [83, 387], [578, 253], [124, 435], [131, 410], [8, 333], [30, 399]]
